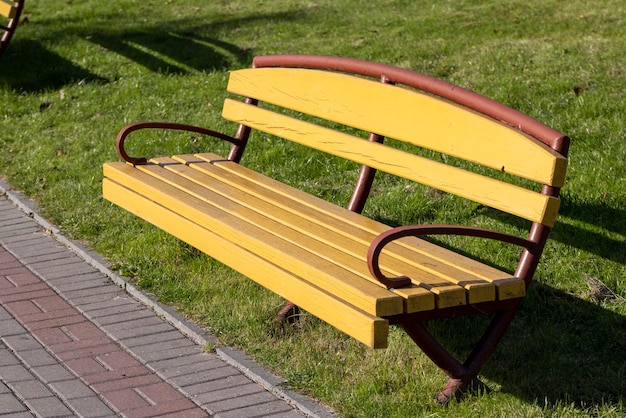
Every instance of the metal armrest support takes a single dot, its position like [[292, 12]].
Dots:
[[386, 237], [127, 130]]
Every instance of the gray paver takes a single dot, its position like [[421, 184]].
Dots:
[[53, 373], [91, 407], [113, 317], [15, 373], [31, 389], [9, 404], [48, 407]]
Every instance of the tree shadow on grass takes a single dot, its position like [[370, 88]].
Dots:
[[30, 67], [173, 47], [601, 215], [560, 350], [173, 53]]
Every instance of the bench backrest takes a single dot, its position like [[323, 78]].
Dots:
[[430, 113]]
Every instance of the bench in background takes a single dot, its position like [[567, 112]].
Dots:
[[10, 12]]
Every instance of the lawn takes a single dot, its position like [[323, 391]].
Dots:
[[78, 70]]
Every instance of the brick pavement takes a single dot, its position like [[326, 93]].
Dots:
[[73, 343]]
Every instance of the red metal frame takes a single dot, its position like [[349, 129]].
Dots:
[[9, 29]]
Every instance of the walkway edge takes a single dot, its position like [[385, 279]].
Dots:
[[235, 358]]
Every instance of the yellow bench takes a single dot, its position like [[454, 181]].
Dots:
[[355, 273], [10, 12]]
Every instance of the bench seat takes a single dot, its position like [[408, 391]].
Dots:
[[303, 248]]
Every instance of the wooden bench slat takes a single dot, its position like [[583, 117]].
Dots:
[[360, 228], [510, 198], [416, 118], [204, 209], [438, 284], [370, 330], [331, 246], [311, 220]]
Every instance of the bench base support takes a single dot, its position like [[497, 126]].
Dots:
[[288, 313], [463, 376]]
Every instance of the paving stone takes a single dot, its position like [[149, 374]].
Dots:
[[91, 407], [7, 358], [51, 336], [208, 362], [118, 300], [73, 319], [57, 254], [75, 278], [72, 389], [259, 400], [21, 342], [11, 327], [230, 378], [126, 399], [179, 343], [22, 308], [157, 355], [202, 375], [60, 271], [69, 262], [97, 351], [128, 378], [48, 407], [135, 325], [36, 357], [31, 389], [114, 309], [262, 410], [23, 277], [165, 365], [114, 318], [34, 291], [56, 311], [183, 406], [9, 404], [158, 338], [237, 391], [15, 373], [146, 330], [53, 373]]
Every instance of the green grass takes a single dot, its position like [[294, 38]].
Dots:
[[77, 71]]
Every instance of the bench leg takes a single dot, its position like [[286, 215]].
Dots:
[[288, 313], [463, 376]]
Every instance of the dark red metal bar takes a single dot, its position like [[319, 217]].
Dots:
[[242, 135], [127, 130], [386, 237]]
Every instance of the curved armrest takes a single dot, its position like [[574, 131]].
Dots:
[[386, 237], [127, 130]]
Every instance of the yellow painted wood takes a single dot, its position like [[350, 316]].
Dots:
[[403, 114], [368, 329], [7, 9], [221, 216], [361, 229], [282, 203], [339, 246], [485, 190]]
